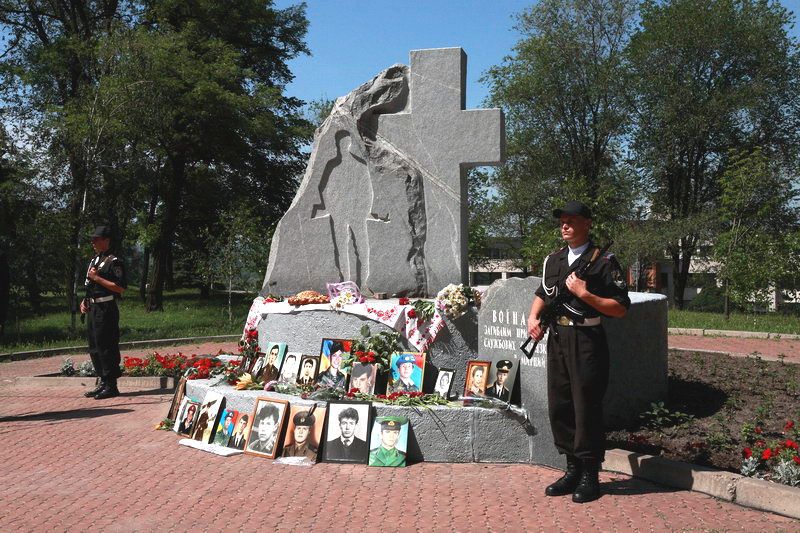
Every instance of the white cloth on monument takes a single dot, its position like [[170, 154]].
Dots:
[[387, 312]]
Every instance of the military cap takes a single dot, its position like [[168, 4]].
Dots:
[[573, 208], [406, 358], [392, 423], [103, 232], [504, 365], [304, 418]]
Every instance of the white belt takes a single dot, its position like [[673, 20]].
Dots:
[[564, 321], [101, 299]]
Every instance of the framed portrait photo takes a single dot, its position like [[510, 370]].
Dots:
[[256, 364], [265, 431], [309, 367], [290, 368], [207, 418], [444, 382], [388, 444], [347, 427], [241, 429], [407, 369], [362, 377], [502, 375], [177, 398], [331, 353], [225, 426], [187, 417], [273, 358], [477, 374], [304, 431]]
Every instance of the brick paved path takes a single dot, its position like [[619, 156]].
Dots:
[[72, 463], [770, 349]]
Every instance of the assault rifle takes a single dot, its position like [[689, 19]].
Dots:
[[559, 306]]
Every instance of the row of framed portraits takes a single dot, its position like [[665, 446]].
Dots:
[[278, 364], [340, 432], [406, 374]]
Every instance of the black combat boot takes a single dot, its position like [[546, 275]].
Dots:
[[568, 481], [109, 391], [589, 487], [95, 391]]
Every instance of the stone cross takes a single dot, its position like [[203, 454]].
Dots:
[[383, 202], [445, 140]]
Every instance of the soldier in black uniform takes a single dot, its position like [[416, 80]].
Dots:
[[577, 352], [105, 282]]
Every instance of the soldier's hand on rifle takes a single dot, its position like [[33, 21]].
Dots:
[[84, 306], [535, 328], [576, 286]]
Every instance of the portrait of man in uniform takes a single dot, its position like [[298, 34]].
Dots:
[[347, 431], [362, 377], [444, 381], [267, 423], [207, 418], [227, 422], [407, 370], [238, 438], [272, 362], [290, 368], [332, 353], [309, 365], [477, 374], [389, 441], [187, 417], [304, 432], [498, 388]]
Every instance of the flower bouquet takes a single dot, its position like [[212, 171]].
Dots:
[[454, 300], [375, 349]]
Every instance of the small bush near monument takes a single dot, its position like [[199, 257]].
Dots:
[[736, 414]]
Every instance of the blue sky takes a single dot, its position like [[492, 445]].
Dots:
[[353, 40]]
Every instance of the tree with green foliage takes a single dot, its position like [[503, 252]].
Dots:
[[565, 94], [709, 76], [235, 253], [754, 250]]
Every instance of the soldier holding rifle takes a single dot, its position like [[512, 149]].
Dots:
[[105, 283], [577, 352]]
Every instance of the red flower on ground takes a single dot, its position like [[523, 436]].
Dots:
[[747, 452], [757, 430], [760, 443], [790, 444], [789, 425], [796, 459], [411, 313], [767, 454], [404, 301]]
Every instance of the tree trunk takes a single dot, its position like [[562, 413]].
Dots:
[[145, 274], [205, 291], [73, 274], [163, 244], [169, 282], [681, 260], [5, 290], [726, 305]]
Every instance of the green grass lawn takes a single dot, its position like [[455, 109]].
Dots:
[[185, 315], [770, 322]]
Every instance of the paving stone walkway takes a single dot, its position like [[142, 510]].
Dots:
[[787, 350], [72, 463]]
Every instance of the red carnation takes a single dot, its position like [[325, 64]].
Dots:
[[758, 430], [790, 444], [747, 452], [404, 301], [411, 313], [767, 454], [796, 459]]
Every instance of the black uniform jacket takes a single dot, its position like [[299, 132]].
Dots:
[[605, 279]]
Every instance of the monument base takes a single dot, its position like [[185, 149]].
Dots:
[[439, 434]]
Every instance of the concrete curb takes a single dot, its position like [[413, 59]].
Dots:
[[731, 333], [741, 490], [19, 356]]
